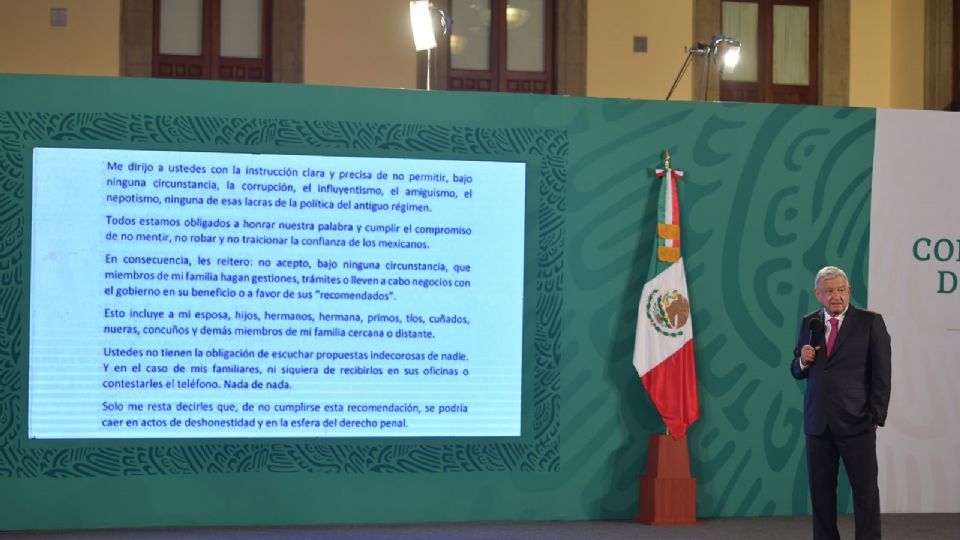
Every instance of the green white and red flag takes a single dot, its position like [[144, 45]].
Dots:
[[663, 349]]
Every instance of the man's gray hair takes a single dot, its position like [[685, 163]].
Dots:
[[829, 272]]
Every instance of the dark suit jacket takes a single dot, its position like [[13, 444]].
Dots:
[[848, 391]]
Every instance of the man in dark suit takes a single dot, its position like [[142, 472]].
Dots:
[[844, 354]]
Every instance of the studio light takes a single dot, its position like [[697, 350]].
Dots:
[[421, 21], [422, 15], [731, 56]]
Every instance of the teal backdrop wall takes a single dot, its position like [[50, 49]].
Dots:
[[771, 194]]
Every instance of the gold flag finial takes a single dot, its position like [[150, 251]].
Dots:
[[666, 159]]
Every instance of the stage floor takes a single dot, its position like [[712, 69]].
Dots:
[[896, 526]]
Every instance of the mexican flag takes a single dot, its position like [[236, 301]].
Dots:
[[663, 350]]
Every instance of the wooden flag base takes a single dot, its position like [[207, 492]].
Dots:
[[668, 495]]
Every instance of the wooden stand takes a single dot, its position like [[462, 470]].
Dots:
[[668, 495]]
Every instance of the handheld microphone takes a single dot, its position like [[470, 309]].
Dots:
[[814, 332]]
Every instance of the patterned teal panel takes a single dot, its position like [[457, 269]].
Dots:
[[771, 194]]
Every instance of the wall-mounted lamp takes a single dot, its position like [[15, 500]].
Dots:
[[422, 15], [731, 56]]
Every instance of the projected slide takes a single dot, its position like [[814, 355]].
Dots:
[[188, 294]]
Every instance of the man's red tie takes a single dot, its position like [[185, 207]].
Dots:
[[834, 330]]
